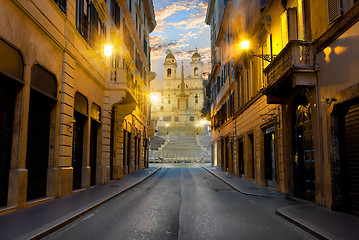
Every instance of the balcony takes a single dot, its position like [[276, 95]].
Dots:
[[122, 86], [293, 66]]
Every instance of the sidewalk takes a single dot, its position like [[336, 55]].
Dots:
[[38, 221], [319, 221]]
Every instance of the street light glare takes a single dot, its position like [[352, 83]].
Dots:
[[108, 50], [154, 98], [245, 45]]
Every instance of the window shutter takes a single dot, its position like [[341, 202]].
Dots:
[[334, 10]]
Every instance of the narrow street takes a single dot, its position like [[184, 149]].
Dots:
[[184, 203]]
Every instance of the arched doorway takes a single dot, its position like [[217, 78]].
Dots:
[[94, 144], [80, 118], [11, 75], [43, 97], [303, 165]]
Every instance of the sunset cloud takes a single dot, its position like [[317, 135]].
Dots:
[[181, 28]]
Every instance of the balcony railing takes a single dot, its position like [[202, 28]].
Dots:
[[297, 56]]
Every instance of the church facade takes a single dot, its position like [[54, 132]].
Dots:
[[177, 107]]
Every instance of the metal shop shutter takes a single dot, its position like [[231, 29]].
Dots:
[[351, 124]]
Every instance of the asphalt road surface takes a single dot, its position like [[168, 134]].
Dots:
[[184, 203]]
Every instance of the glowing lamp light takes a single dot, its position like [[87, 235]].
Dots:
[[245, 45], [154, 98], [108, 50]]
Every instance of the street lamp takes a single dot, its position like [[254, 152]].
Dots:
[[245, 44], [167, 125], [108, 50]]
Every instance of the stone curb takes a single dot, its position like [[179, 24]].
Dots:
[[237, 189], [78, 215], [315, 231]]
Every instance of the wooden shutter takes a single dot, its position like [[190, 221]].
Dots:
[[334, 10]]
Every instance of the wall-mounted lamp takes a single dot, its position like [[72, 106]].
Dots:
[[108, 50], [245, 45]]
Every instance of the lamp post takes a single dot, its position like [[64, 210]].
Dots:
[[167, 125]]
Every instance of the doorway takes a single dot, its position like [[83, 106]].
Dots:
[[350, 157], [77, 148], [38, 145], [93, 150], [251, 153], [240, 157], [43, 97], [303, 166], [7, 98], [269, 156]]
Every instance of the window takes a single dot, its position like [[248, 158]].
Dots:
[[61, 4], [115, 13], [81, 17], [130, 5], [336, 8], [191, 118], [195, 71], [145, 46], [176, 119], [169, 72], [196, 99], [88, 23], [231, 104], [167, 119]]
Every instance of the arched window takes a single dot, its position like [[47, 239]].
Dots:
[[169, 72], [195, 71]]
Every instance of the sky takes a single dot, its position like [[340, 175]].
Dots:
[[181, 28]]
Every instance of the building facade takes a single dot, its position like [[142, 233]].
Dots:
[[72, 115], [177, 108], [284, 98]]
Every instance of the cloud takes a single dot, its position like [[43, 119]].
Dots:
[[168, 11], [180, 28]]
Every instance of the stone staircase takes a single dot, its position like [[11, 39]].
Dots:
[[156, 142], [181, 149]]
